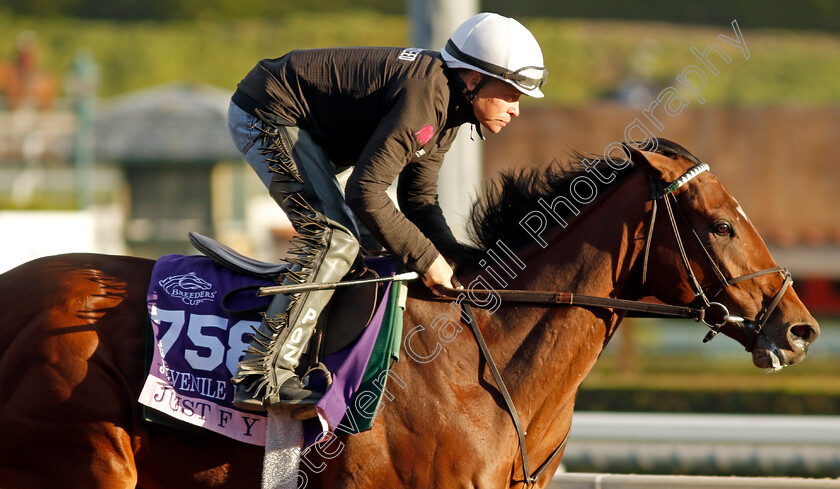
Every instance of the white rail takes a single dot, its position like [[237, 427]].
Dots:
[[766, 446], [705, 428], [614, 481]]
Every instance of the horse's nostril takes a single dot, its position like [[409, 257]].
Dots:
[[804, 332]]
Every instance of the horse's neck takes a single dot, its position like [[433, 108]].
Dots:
[[597, 252], [596, 255]]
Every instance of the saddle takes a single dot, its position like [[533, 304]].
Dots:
[[342, 321]]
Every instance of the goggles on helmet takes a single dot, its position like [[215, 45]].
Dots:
[[527, 78]]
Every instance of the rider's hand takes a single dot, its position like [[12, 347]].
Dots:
[[440, 273]]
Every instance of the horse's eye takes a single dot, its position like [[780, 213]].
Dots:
[[722, 229]]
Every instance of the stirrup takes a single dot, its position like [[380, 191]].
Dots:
[[319, 367]]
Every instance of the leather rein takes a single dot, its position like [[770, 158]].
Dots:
[[715, 315]]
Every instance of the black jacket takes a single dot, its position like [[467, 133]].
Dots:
[[386, 111]]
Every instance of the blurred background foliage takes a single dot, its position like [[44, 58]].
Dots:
[[779, 14], [590, 47]]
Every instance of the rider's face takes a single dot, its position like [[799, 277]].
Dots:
[[496, 104]]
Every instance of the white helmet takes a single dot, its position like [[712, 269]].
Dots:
[[500, 47]]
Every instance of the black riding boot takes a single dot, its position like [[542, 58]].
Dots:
[[266, 375], [250, 383], [303, 317]]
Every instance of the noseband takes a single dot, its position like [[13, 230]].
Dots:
[[715, 314]]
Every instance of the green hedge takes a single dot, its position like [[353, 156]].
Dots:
[[651, 380], [640, 399], [587, 60]]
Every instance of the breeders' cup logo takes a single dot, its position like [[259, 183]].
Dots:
[[188, 287]]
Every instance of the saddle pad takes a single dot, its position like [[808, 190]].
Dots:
[[196, 348]]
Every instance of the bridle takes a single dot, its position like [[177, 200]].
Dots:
[[715, 315]]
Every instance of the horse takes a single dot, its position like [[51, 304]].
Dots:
[[22, 87], [72, 339]]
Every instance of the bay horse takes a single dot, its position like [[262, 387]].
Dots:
[[73, 335]]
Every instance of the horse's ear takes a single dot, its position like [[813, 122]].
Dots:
[[658, 166]]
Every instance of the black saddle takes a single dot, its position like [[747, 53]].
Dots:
[[345, 317], [236, 261]]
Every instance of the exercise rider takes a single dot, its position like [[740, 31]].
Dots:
[[387, 112]]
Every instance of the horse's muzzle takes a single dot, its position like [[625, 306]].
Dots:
[[773, 352]]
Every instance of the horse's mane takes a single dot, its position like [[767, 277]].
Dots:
[[510, 197]]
